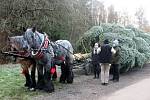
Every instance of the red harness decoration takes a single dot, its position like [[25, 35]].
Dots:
[[62, 58], [53, 70], [46, 42], [25, 53], [39, 55]]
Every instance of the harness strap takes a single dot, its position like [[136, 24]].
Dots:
[[44, 45], [46, 42], [39, 49]]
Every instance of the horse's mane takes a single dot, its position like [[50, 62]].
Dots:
[[63, 44], [38, 34], [18, 41]]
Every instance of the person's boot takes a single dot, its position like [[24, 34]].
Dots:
[[97, 76], [105, 84], [94, 75], [116, 80], [111, 79]]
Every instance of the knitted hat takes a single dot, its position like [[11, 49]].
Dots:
[[115, 43]]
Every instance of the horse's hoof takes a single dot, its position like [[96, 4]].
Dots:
[[49, 87], [70, 81], [49, 90], [39, 88], [32, 89]]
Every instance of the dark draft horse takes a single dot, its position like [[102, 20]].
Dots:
[[16, 45], [46, 54]]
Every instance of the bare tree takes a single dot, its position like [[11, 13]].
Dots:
[[124, 18], [112, 15], [142, 21]]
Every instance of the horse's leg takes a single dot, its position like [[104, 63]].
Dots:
[[28, 80], [69, 73], [33, 70], [49, 86], [69, 68], [63, 73], [40, 81], [25, 71]]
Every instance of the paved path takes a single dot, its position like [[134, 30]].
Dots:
[[133, 85], [137, 91]]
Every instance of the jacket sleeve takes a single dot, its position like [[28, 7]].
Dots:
[[113, 50], [116, 57]]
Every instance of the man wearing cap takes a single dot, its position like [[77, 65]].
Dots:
[[105, 57]]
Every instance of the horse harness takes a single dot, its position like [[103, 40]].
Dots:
[[44, 47]]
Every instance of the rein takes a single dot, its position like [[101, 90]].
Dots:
[[43, 47], [65, 48], [12, 53], [9, 53]]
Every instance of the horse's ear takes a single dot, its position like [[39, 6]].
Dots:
[[24, 29], [33, 29]]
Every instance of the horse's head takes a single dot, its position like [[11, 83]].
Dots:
[[33, 37], [29, 36], [17, 43]]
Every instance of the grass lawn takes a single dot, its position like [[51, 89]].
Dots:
[[12, 84]]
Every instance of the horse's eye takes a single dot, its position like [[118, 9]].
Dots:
[[24, 36], [32, 36]]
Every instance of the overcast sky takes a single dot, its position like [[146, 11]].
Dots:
[[130, 6]]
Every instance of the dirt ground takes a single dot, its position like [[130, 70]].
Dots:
[[87, 88]]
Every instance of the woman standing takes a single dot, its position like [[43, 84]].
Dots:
[[95, 60]]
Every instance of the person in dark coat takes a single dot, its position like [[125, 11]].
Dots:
[[116, 61], [95, 60], [105, 56]]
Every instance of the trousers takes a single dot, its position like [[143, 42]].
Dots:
[[105, 67]]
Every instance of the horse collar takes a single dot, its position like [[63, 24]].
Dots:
[[44, 45]]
